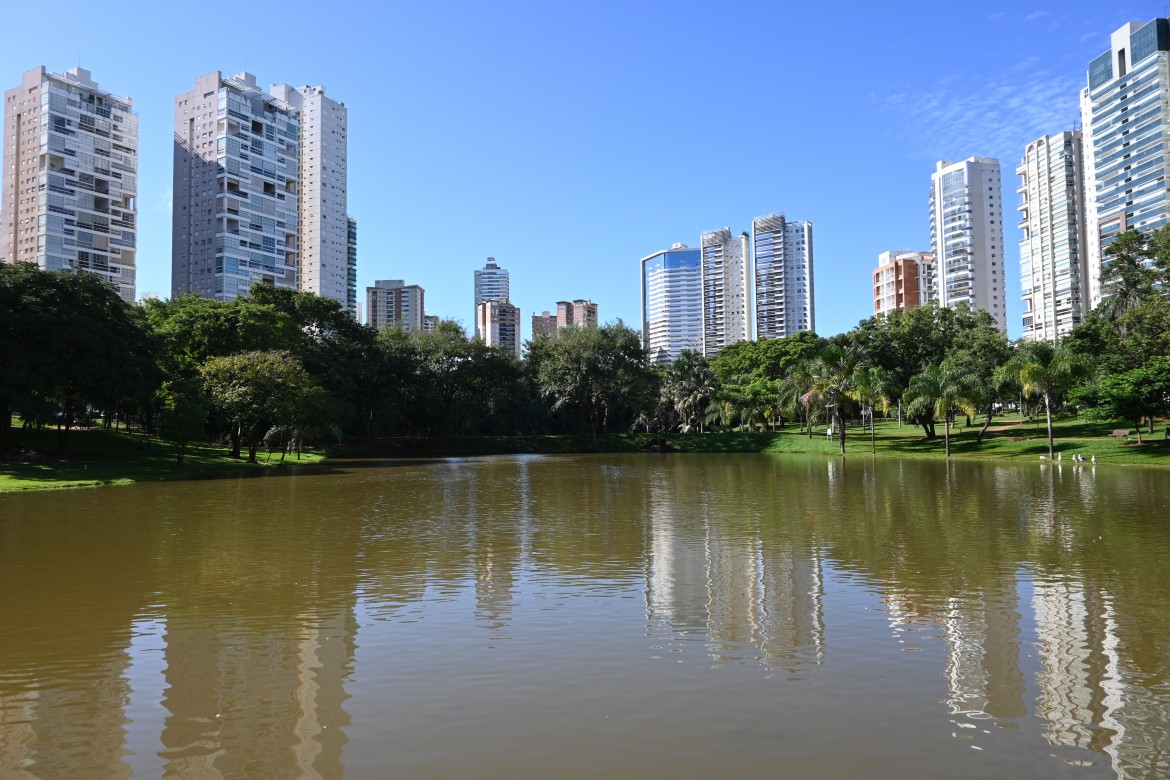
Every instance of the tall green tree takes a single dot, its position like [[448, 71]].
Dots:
[[257, 390], [592, 372], [938, 392], [831, 378], [690, 384], [1045, 370], [1126, 276]]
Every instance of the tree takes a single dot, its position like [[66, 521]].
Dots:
[[981, 351], [872, 385], [831, 377], [937, 392], [1044, 370], [256, 390], [591, 372], [689, 385], [184, 412], [70, 343], [906, 341], [1133, 396], [1126, 279]]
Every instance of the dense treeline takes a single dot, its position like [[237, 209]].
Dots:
[[276, 368]]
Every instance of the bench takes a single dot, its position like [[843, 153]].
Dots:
[[1121, 432]]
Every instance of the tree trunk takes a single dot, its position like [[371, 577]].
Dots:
[[5, 425], [947, 433], [986, 423], [182, 451], [872, 440], [840, 420], [234, 438], [1048, 414], [1138, 428]]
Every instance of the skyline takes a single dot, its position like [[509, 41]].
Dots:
[[569, 163]]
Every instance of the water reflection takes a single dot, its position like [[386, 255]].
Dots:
[[217, 629]]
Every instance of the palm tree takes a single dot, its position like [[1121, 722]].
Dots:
[[1045, 370], [872, 385], [938, 392], [689, 385], [831, 377]]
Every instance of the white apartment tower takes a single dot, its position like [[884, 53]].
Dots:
[[1052, 201], [235, 215], [783, 276], [260, 191], [491, 284], [672, 303], [727, 291], [322, 213], [70, 181], [393, 303], [1125, 114], [966, 225]]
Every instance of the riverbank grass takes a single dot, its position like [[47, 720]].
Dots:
[[1009, 438], [97, 457]]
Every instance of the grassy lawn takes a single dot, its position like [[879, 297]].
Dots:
[[96, 457], [1010, 437]]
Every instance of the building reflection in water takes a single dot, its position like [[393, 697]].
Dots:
[[747, 595]]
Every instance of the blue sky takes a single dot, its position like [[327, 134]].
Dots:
[[570, 140]]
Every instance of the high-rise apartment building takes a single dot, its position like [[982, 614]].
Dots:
[[236, 172], [1125, 114], [351, 257], [783, 276], [576, 314], [727, 291], [498, 324], [1052, 209], [672, 303], [70, 181], [430, 322], [966, 225], [260, 191], [322, 191], [393, 303], [491, 284], [902, 280], [544, 324]]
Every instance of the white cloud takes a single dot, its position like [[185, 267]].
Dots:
[[995, 117]]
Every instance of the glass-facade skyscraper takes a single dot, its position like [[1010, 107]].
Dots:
[[783, 276], [492, 283], [672, 303], [1125, 113]]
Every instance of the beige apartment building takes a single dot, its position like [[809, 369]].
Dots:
[[393, 303], [576, 314], [498, 324]]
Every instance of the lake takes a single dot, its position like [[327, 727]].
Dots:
[[641, 616]]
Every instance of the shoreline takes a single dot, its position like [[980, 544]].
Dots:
[[102, 458]]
